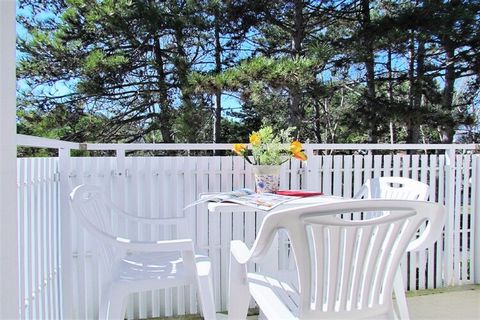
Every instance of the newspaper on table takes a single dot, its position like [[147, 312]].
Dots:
[[247, 197]]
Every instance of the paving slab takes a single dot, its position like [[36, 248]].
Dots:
[[447, 305]]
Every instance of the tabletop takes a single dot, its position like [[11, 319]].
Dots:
[[300, 202]]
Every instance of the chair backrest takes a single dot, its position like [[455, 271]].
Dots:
[[393, 188], [93, 212], [349, 268], [98, 216]]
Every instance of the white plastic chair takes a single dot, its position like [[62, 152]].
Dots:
[[395, 188], [345, 268], [130, 266]]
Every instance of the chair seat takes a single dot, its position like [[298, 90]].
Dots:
[[152, 269], [281, 298], [275, 296]]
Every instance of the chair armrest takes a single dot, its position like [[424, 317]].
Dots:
[[133, 245], [361, 193], [239, 251], [433, 230], [159, 221], [155, 246], [145, 220]]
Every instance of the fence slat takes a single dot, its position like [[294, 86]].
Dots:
[[191, 195], [156, 204], [377, 165], [23, 238], [442, 244], [431, 163], [225, 230], [464, 219], [337, 175], [357, 173], [475, 224], [327, 175], [387, 165], [214, 225], [293, 175], [347, 177], [456, 220], [422, 255], [312, 176]]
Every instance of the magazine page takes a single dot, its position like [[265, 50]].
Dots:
[[262, 201], [232, 195], [221, 196]]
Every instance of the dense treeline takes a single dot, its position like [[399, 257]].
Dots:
[[213, 71]]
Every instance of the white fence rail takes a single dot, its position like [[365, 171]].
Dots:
[[162, 186]]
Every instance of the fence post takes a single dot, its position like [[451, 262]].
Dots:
[[9, 235], [310, 169], [475, 216], [449, 223], [121, 175], [66, 259]]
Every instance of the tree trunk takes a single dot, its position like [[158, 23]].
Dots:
[[297, 40], [418, 89], [317, 124], [369, 60], [181, 64], [391, 97], [165, 118], [217, 117], [295, 112], [299, 29], [447, 129], [415, 75]]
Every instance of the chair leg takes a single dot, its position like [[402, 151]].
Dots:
[[238, 291], [113, 305], [104, 304], [205, 290], [400, 298]]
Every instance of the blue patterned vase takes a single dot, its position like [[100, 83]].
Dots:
[[267, 178]]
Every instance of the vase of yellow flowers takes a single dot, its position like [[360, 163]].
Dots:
[[267, 178], [267, 153]]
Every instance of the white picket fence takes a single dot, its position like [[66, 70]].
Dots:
[[39, 238], [163, 186]]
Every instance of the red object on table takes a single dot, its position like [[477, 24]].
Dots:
[[298, 193]]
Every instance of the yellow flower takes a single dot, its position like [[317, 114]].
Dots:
[[295, 147], [255, 139], [239, 148], [300, 155]]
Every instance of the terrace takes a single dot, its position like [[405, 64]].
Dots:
[[49, 265], [66, 255]]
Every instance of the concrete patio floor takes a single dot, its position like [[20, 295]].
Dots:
[[455, 303], [459, 303]]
